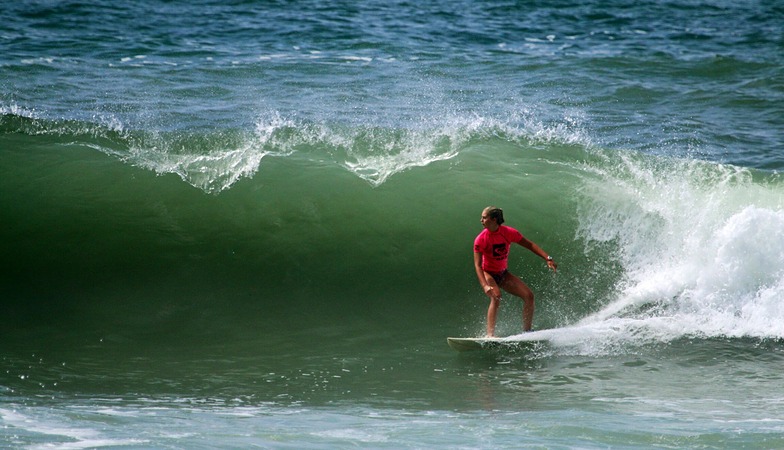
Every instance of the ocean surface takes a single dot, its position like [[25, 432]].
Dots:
[[249, 224]]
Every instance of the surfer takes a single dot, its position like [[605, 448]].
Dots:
[[491, 254]]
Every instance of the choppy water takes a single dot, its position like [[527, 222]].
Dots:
[[249, 224]]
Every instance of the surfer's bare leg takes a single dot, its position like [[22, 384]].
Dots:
[[492, 312], [515, 286], [494, 294]]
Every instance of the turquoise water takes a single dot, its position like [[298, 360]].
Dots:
[[249, 224]]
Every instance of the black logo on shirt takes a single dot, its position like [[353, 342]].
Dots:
[[500, 251]]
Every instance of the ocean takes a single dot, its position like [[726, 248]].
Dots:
[[249, 224]]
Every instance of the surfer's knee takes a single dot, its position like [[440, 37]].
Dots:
[[524, 292], [528, 299]]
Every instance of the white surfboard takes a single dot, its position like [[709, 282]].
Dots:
[[466, 344]]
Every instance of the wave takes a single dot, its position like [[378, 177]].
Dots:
[[652, 249]]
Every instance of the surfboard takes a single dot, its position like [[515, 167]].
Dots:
[[467, 344]]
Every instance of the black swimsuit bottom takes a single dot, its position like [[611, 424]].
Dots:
[[499, 277]]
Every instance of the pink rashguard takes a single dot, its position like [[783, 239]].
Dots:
[[494, 247]]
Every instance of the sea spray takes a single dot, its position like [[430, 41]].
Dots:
[[700, 246]]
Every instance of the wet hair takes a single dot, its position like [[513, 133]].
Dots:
[[496, 213]]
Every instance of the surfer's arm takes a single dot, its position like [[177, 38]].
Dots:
[[539, 252], [481, 273]]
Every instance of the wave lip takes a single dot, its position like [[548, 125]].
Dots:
[[213, 161], [214, 169]]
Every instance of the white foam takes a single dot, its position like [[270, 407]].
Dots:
[[701, 247], [17, 110], [62, 434], [352, 435]]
